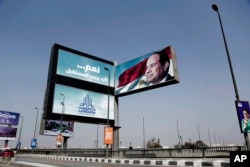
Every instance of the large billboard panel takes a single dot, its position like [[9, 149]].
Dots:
[[71, 69], [243, 110], [7, 133], [153, 70], [52, 127], [82, 103], [9, 118], [83, 68]]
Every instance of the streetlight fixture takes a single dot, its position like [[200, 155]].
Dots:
[[216, 9], [20, 132], [108, 107]]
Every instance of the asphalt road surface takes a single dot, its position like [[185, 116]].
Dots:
[[62, 163]]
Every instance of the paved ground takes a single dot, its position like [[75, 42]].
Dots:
[[149, 162]]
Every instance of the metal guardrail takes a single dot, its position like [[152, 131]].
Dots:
[[208, 152]]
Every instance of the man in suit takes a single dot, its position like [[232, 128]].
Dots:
[[157, 68], [245, 121]]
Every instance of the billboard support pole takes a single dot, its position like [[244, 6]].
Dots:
[[116, 129], [216, 9]]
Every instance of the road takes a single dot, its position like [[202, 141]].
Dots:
[[62, 163]]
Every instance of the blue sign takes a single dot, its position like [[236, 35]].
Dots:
[[33, 143], [18, 144], [243, 110], [9, 118]]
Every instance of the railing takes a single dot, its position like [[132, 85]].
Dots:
[[208, 152]]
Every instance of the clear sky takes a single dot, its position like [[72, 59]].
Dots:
[[119, 31]]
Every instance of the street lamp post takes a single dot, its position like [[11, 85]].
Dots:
[[215, 139], [108, 107], [178, 134], [209, 138], [97, 136], [62, 112], [199, 132], [216, 9], [108, 95], [20, 132], [143, 133], [36, 121]]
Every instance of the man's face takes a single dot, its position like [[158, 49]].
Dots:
[[154, 70], [245, 113]]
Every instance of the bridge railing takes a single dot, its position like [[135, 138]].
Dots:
[[208, 152]]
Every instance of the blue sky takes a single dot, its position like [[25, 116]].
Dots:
[[120, 31]]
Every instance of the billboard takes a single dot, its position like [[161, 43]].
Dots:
[[7, 133], [82, 103], [82, 79], [153, 70], [9, 118], [243, 110], [108, 135], [52, 127], [59, 140], [83, 68]]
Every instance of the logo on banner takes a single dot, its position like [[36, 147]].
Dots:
[[86, 107]]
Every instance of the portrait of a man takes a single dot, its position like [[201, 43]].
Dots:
[[148, 70]]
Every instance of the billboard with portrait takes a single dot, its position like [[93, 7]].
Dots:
[[7, 133], [243, 110], [153, 70], [82, 103], [9, 118]]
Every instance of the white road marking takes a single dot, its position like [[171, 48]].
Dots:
[[34, 164]]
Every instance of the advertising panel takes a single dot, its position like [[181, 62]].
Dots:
[[84, 68], [243, 110], [52, 127], [7, 133], [155, 69], [87, 76], [9, 118], [83, 103], [108, 135]]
